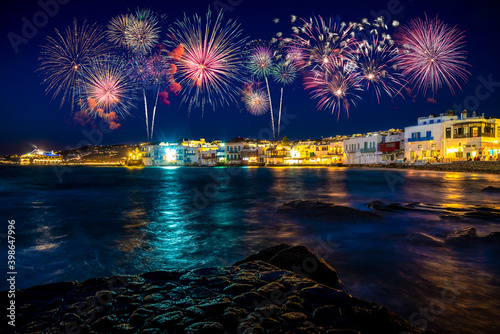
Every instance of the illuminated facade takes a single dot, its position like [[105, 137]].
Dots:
[[450, 137], [472, 137], [40, 157]]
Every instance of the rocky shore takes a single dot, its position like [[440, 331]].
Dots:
[[484, 167], [282, 289]]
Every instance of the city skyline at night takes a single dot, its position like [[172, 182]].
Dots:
[[31, 118]]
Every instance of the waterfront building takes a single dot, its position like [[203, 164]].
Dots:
[[156, 154], [450, 137], [472, 137], [392, 147], [233, 150], [277, 154], [424, 141], [363, 149], [38, 156]]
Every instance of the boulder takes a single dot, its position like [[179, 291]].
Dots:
[[463, 234], [326, 211], [491, 189], [424, 239], [300, 260]]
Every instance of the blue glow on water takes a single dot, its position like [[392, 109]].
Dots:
[[103, 221]]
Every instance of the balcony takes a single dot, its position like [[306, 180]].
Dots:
[[426, 138], [367, 150]]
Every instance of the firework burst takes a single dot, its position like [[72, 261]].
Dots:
[[107, 87], [432, 54], [335, 92], [256, 101], [142, 33], [65, 57], [377, 67], [210, 68], [323, 42], [117, 27]]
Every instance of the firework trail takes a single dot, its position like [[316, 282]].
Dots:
[[159, 77], [65, 57], [137, 69], [107, 87], [432, 54], [260, 64], [285, 73], [210, 68]]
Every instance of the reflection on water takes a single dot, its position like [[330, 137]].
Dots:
[[103, 221]]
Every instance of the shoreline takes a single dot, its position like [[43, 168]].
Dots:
[[481, 167], [284, 287]]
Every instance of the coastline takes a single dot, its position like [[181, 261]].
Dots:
[[481, 167], [280, 289]]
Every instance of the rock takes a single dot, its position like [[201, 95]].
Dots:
[[105, 324], [294, 317], [233, 315], [207, 327], [166, 319], [326, 211], [237, 288], [306, 263], [271, 288], [424, 239], [491, 189], [264, 254], [391, 207], [492, 237], [327, 315], [322, 293], [253, 297], [465, 234]]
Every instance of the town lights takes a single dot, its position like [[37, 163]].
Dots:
[[170, 155]]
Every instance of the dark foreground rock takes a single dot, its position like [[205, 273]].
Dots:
[[326, 211], [294, 258], [251, 297], [491, 189]]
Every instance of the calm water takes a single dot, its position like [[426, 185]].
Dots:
[[103, 221]]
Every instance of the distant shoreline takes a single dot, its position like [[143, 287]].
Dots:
[[483, 167]]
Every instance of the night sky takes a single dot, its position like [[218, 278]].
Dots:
[[30, 118]]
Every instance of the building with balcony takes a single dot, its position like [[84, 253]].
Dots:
[[450, 137], [424, 141], [472, 137]]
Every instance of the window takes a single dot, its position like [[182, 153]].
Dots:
[[428, 134], [365, 145], [239, 148], [412, 155], [431, 121], [448, 132]]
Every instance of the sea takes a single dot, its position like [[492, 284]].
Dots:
[[74, 223]]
